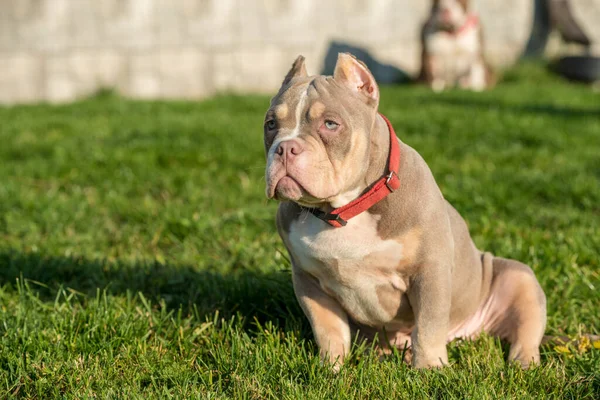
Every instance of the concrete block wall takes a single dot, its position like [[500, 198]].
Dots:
[[60, 50]]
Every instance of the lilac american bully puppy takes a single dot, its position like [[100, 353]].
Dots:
[[375, 247]]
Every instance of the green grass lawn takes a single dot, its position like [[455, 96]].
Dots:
[[139, 256]]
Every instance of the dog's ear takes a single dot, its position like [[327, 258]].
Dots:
[[298, 70], [356, 75]]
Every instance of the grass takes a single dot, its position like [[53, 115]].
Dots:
[[139, 257]]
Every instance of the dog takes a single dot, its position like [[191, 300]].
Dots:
[[374, 246], [452, 49]]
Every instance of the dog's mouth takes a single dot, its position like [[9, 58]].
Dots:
[[287, 188]]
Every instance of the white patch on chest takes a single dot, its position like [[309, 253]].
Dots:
[[454, 55], [350, 262]]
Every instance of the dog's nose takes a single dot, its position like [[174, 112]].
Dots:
[[290, 148]]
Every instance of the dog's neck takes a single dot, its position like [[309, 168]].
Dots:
[[470, 23], [379, 152]]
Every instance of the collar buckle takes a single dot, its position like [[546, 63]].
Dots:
[[327, 217], [389, 178], [337, 218]]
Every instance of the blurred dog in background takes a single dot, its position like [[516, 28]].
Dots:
[[452, 45]]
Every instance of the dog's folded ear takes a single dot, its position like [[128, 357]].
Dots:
[[356, 75], [298, 70]]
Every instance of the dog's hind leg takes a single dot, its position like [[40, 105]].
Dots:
[[519, 312]]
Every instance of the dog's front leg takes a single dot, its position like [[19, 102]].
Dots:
[[327, 318], [430, 297]]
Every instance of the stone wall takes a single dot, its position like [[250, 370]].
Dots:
[[59, 50]]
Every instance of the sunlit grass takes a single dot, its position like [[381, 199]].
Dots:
[[139, 256]]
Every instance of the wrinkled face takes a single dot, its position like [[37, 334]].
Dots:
[[449, 15], [317, 134]]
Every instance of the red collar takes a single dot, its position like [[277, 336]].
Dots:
[[471, 22], [339, 217]]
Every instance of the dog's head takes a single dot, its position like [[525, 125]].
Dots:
[[449, 15], [317, 133]]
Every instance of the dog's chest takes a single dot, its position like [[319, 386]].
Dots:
[[454, 53], [352, 264]]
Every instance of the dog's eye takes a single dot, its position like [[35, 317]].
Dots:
[[331, 125], [271, 124]]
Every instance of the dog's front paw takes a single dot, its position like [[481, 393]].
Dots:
[[430, 360], [334, 363], [438, 85], [434, 363]]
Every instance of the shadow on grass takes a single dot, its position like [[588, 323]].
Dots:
[[254, 296], [547, 109], [250, 296]]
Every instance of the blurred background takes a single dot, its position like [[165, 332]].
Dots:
[[61, 50]]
